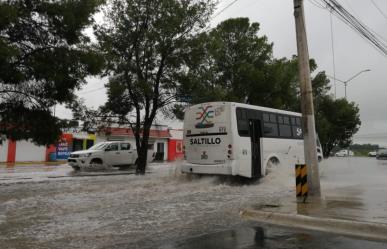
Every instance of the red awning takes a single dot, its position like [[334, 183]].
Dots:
[[114, 131]]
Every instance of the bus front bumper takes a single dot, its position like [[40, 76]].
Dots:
[[213, 169]]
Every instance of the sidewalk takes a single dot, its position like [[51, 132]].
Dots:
[[10, 165], [353, 189]]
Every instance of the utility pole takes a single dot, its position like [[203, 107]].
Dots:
[[308, 123]]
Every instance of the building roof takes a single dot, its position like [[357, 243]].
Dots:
[[153, 133]]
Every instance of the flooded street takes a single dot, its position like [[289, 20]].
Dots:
[[54, 207]]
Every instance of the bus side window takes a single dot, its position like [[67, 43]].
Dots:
[[253, 114], [286, 120], [270, 126], [296, 127], [297, 132], [242, 122], [273, 118], [266, 117], [285, 130], [270, 129]]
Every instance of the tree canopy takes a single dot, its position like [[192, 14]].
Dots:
[[336, 122], [44, 57], [145, 43], [233, 62]]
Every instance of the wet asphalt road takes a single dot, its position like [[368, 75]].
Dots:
[[53, 207]]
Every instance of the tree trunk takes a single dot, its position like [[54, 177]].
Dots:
[[142, 160], [142, 152]]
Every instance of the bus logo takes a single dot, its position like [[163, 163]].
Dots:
[[205, 115]]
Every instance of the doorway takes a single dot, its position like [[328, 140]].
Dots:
[[159, 152], [255, 135]]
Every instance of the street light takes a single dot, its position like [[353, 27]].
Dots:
[[346, 82]]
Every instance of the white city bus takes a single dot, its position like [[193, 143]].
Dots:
[[236, 139]]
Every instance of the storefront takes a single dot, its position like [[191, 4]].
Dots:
[[27, 151], [175, 145], [158, 139], [165, 143]]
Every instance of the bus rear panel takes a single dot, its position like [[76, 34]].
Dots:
[[207, 138]]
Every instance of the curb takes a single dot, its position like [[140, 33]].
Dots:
[[356, 229], [33, 163]]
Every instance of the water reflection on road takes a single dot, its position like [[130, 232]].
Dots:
[[47, 206]]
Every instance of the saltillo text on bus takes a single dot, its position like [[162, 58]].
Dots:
[[228, 138]]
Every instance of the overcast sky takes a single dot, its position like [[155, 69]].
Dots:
[[352, 54]]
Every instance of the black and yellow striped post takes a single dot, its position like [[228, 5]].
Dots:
[[301, 182]]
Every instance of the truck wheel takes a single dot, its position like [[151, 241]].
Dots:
[[76, 168], [96, 163]]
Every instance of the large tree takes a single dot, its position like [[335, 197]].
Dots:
[[233, 62], [336, 122], [44, 57], [145, 43], [227, 63]]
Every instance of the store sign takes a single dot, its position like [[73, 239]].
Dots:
[[63, 150]]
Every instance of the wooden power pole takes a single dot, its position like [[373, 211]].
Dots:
[[308, 122]]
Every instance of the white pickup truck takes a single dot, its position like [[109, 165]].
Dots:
[[106, 155]]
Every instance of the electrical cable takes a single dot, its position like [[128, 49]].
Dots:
[[317, 4], [359, 27], [224, 9], [379, 9], [92, 90]]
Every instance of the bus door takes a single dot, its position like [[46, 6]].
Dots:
[[255, 135]]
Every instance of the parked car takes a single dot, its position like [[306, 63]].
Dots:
[[344, 153], [105, 155], [320, 156], [372, 154], [381, 154]]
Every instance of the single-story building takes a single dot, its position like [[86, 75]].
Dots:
[[165, 143], [175, 145]]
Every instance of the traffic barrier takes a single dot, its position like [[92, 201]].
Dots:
[[301, 182]]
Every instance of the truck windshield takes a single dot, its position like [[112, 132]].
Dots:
[[98, 146]]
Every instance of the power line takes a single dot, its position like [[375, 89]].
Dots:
[[356, 14], [379, 9], [205, 29], [92, 90], [317, 4], [224, 9], [359, 27]]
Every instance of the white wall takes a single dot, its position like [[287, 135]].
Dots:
[[27, 151], [4, 151]]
